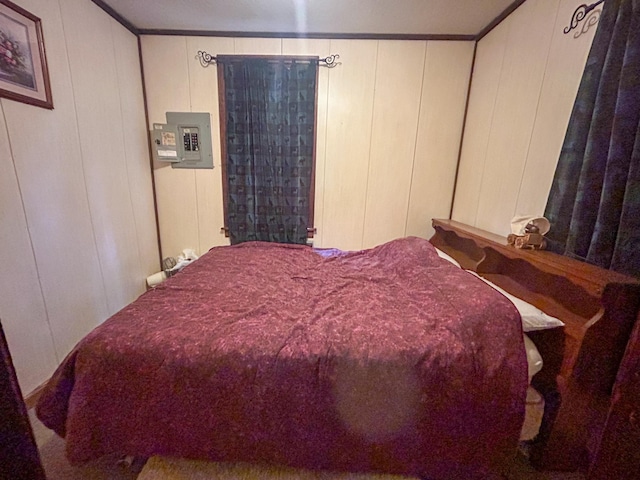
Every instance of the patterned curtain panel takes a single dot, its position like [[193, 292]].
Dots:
[[594, 203], [270, 135]]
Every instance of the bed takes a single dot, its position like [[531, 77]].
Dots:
[[388, 360]]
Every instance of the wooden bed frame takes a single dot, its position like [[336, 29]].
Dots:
[[599, 308]]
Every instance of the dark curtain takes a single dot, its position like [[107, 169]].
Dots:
[[594, 202], [270, 136], [19, 456]]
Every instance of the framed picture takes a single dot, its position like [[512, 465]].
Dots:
[[23, 66]]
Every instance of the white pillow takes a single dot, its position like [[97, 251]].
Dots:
[[441, 254], [532, 317]]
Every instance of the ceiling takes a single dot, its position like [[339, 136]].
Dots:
[[321, 17]]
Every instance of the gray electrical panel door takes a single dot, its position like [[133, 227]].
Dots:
[[164, 139]]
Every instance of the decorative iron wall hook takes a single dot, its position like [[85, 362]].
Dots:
[[207, 59], [579, 14]]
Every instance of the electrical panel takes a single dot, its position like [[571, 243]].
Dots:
[[184, 141]]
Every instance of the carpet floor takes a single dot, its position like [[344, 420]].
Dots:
[[163, 468]]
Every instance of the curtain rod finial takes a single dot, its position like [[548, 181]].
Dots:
[[205, 58], [330, 61]]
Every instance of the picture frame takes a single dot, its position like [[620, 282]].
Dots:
[[24, 75]]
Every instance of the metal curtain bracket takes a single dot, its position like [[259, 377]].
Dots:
[[579, 14]]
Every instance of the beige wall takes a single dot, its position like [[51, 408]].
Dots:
[[525, 79], [77, 226], [389, 127]]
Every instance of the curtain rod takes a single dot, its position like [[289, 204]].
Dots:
[[207, 59], [580, 13]]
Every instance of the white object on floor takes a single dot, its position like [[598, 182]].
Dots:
[[156, 278]]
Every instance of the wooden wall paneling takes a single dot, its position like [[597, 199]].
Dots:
[[204, 98], [349, 117], [165, 61], [257, 46], [165, 64], [482, 98], [136, 151], [565, 64], [526, 53], [46, 151], [88, 30], [396, 108], [322, 48], [444, 93], [22, 307]]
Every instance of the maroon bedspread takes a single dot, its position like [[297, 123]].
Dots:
[[388, 359]]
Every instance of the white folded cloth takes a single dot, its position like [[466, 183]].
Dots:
[[520, 221]]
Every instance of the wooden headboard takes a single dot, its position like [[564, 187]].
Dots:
[[581, 360]]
